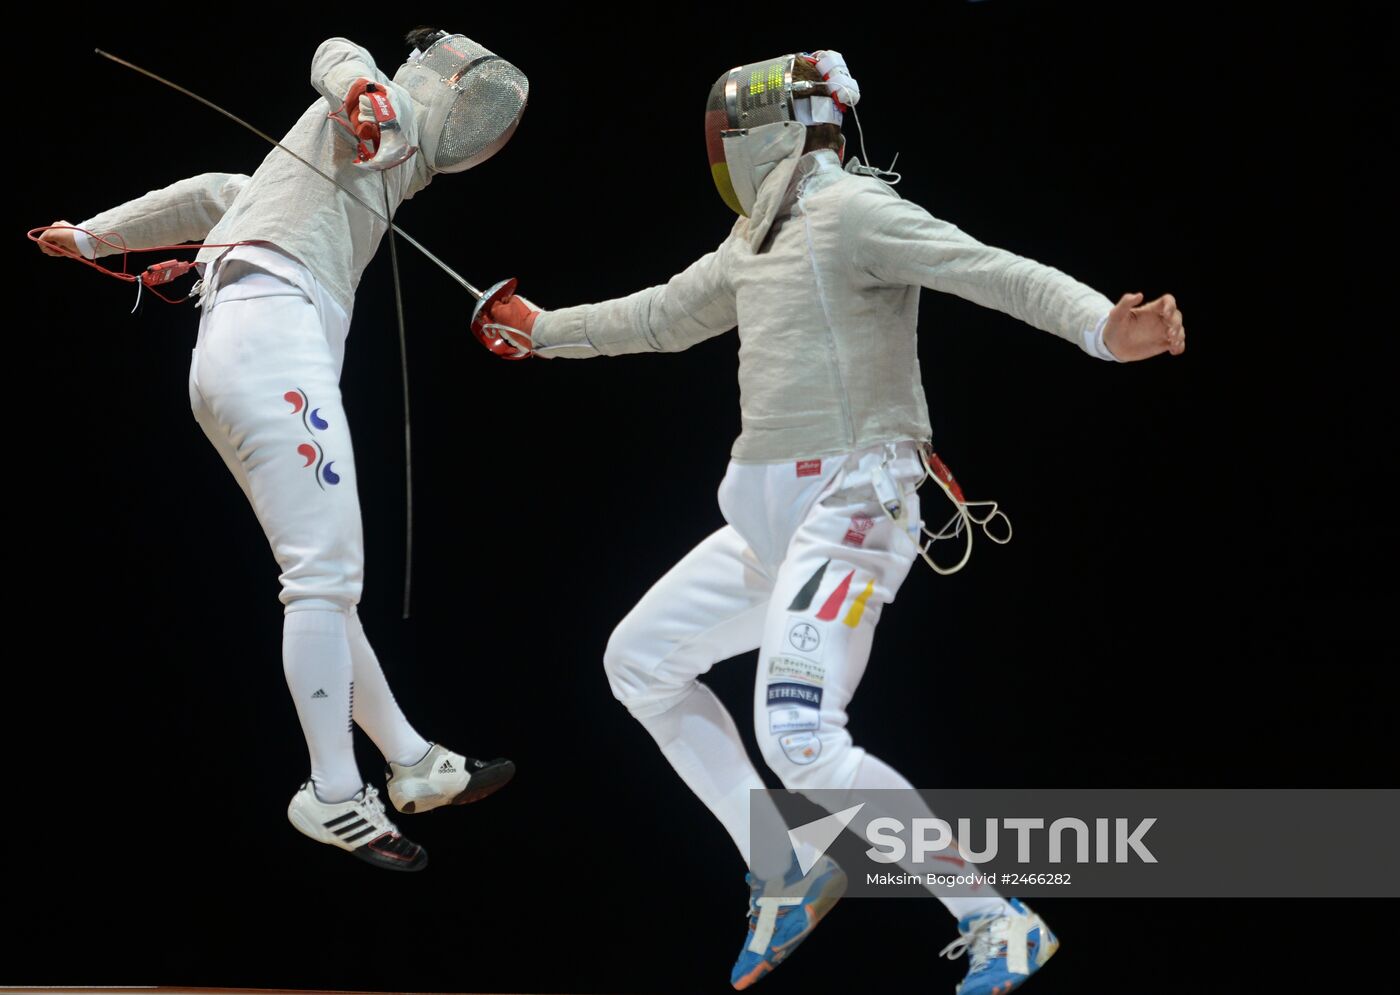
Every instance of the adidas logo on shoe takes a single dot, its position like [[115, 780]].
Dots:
[[447, 768], [320, 693]]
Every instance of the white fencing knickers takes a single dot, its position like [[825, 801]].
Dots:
[[801, 573], [265, 388]]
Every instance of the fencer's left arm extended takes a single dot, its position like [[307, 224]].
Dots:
[[185, 211], [901, 243]]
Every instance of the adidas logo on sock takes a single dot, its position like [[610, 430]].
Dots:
[[320, 693], [447, 768]]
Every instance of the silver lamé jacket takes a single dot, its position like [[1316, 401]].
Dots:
[[823, 283], [284, 203]]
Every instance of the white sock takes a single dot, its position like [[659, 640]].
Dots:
[[874, 773], [699, 738], [376, 711], [316, 660]]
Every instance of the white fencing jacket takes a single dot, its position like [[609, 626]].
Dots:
[[823, 284], [284, 203]]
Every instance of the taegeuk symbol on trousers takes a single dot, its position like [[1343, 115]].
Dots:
[[311, 451]]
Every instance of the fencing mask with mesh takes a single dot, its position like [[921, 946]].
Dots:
[[469, 101]]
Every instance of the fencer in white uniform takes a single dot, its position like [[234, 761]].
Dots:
[[822, 275], [265, 386]]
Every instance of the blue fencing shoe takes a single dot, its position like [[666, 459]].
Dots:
[[1003, 950], [782, 912]]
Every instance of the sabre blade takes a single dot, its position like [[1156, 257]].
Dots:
[[441, 265], [311, 166]]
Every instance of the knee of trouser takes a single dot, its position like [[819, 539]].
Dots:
[[315, 605], [633, 668], [811, 758], [312, 590]]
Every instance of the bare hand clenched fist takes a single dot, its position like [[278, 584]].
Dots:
[[1141, 331], [58, 241]]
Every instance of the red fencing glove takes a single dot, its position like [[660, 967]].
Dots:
[[369, 115], [503, 321]]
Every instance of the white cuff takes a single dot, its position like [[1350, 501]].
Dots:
[[1091, 339], [84, 244]]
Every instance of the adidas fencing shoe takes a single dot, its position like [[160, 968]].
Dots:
[[1003, 950], [782, 913], [358, 825], [445, 778]]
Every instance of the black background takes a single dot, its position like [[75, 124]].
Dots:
[[1198, 593]]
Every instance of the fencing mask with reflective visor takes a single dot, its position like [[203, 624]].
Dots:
[[756, 118]]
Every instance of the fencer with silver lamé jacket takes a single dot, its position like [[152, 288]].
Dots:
[[284, 203], [823, 283]]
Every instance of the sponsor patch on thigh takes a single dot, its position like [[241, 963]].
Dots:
[[793, 707], [801, 747], [804, 637], [794, 692], [793, 719], [796, 666]]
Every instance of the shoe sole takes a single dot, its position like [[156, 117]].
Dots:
[[362, 853], [484, 782], [418, 863]]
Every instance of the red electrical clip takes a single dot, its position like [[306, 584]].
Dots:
[[940, 470], [171, 269], [151, 278]]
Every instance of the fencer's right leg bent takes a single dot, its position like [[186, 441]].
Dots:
[[377, 711], [707, 608]]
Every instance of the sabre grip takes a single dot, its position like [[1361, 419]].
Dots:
[[369, 116], [502, 322]]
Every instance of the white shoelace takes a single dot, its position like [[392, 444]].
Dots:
[[371, 809], [994, 938], [981, 942]]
